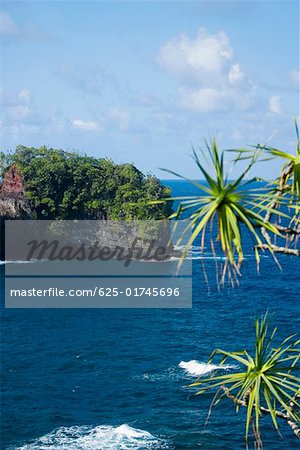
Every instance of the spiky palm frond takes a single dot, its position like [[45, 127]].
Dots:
[[293, 161], [266, 379], [288, 182], [228, 204]]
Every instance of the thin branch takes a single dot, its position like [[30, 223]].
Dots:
[[287, 230], [284, 176], [275, 249], [295, 428]]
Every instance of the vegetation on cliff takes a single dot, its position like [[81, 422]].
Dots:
[[66, 185]]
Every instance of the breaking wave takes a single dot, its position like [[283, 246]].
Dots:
[[16, 262], [196, 368], [192, 256], [102, 437]]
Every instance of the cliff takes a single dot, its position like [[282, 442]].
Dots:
[[13, 204]]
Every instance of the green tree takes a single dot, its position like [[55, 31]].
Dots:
[[66, 185], [224, 211], [266, 384], [219, 216]]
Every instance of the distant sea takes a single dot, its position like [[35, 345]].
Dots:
[[117, 379]]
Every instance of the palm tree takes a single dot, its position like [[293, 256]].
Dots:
[[285, 193], [290, 169], [265, 384], [225, 206]]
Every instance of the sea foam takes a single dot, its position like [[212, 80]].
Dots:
[[16, 262], [198, 369], [102, 437]]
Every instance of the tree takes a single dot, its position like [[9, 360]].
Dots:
[[266, 384], [219, 216], [224, 210], [66, 185]]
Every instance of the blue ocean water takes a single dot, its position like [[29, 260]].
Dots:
[[110, 379]]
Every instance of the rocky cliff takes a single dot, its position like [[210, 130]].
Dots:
[[13, 204]]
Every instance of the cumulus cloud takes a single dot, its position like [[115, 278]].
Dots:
[[209, 99], [87, 125], [275, 104], [209, 77], [235, 75], [196, 59]]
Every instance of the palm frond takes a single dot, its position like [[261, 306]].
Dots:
[[223, 207], [268, 381]]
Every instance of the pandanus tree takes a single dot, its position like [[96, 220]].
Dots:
[[224, 210], [266, 382]]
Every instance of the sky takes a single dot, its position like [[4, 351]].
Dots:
[[145, 81]]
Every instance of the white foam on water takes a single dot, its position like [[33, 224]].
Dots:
[[191, 248], [190, 256], [103, 437], [16, 262], [166, 375], [196, 368]]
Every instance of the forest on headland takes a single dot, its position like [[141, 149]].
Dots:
[[58, 184]]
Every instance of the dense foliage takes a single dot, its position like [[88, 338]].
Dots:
[[67, 185]]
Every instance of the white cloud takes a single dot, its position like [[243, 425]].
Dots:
[[203, 100], [235, 74], [87, 125], [10, 99], [295, 78], [209, 77], [275, 105], [19, 109], [21, 116], [196, 59], [209, 99]]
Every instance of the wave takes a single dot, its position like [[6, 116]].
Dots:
[[17, 262], [194, 256], [195, 248], [189, 256], [196, 368], [102, 437]]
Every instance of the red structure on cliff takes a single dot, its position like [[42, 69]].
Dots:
[[12, 185]]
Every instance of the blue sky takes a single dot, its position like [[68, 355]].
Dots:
[[143, 81]]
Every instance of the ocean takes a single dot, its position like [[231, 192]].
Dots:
[[117, 379]]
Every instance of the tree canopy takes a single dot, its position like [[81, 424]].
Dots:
[[67, 185]]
